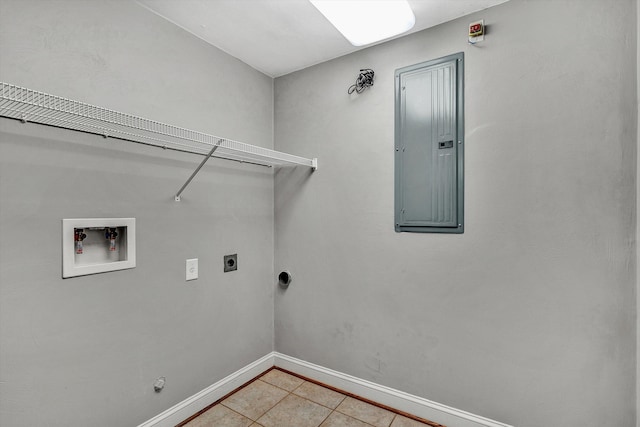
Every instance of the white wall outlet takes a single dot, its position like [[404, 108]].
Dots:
[[192, 269]]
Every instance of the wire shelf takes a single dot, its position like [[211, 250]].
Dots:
[[38, 107]]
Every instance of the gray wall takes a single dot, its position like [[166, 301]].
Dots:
[[529, 316], [86, 351]]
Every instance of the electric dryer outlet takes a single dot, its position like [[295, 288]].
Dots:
[[230, 262]]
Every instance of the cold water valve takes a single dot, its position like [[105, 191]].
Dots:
[[111, 234]]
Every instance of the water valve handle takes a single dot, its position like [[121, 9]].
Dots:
[[78, 237], [111, 234]]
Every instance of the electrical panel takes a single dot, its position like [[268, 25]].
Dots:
[[97, 245], [429, 141]]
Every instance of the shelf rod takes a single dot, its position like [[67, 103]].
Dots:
[[195, 172], [31, 106]]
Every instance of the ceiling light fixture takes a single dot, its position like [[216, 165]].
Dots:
[[367, 21]]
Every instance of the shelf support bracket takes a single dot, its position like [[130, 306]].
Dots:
[[195, 172]]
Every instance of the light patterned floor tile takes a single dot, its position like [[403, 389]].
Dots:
[[315, 393], [279, 399], [255, 399], [336, 419], [281, 379], [219, 416], [366, 412], [294, 411]]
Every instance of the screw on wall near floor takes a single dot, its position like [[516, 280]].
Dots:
[[159, 384], [230, 262]]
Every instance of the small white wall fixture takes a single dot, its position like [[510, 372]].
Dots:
[[97, 245]]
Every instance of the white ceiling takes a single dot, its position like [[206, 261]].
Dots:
[[281, 36]]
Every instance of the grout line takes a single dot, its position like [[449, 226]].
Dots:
[[276, 404], [277, 386], [328, 407], [325, 418], [234, 411], [364, 422]]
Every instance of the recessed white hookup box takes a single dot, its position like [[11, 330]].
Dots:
[[97, 245]]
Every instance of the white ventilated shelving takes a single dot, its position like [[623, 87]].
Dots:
[[33, 106]]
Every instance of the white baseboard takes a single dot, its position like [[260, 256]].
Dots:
[[387, 396], [399, 400], [188, 407]]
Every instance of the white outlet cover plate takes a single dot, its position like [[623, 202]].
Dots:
[[192, 269]]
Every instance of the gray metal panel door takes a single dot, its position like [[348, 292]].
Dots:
[[428, 170]]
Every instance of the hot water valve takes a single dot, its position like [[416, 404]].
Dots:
[[79, 236]]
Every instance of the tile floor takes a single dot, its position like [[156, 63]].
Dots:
[[278, 399]]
